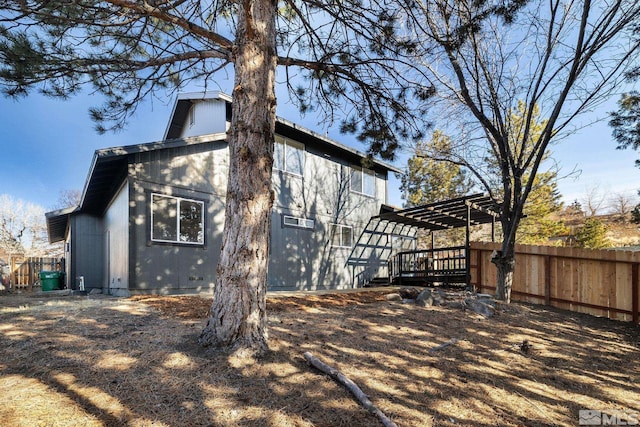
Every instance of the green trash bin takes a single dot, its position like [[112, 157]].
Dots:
[[50, 280]]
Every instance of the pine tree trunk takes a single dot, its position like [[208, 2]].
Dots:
[[238, 314]]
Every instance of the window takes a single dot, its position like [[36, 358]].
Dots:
[[291, 221], [288, 156], [341, 236], [177, 220], [363, 181]]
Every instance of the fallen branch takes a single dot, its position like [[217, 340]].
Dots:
[[445, 345], [351, 386]]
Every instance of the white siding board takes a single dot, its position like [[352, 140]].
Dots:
[[117, 242], [210, 117]]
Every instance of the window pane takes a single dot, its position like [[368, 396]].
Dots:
[[165, 218], [356, 180], [292, 221], [294, 159], [289, 220], [278, 153], [191, 224], [346, 236], [335, 235], [368, 183]]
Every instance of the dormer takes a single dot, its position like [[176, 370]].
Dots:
[[199, 113]]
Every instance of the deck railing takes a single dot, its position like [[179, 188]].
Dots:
[[447, 265]]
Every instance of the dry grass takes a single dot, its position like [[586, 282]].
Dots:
[[95, 361]]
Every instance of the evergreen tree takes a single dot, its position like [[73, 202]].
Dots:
[[592, 235], [626, 121], [539, 224], [428, 180]]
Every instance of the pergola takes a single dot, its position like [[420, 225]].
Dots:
[[476, 209], [448, 265]]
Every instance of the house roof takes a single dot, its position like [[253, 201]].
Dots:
[[478, 208]]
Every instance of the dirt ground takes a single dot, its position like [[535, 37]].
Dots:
[[102, 361]]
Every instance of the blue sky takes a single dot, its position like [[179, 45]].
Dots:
[[46, 146]]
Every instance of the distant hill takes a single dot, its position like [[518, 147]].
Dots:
[[622, 233]]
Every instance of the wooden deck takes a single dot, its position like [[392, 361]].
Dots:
[[430, 266]]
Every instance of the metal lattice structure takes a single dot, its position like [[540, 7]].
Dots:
[[448, 265]]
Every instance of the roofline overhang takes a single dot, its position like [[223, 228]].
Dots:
[[58, 223]]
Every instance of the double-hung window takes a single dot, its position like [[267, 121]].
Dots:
[[363, 181], [177, 220], [288, 156], [341, 236]]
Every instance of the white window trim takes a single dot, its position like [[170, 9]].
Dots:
[[178, 241], [339, 227], [292, 143], [363, 172], [300, 222]]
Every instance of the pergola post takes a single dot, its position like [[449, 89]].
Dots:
[[467, 250]]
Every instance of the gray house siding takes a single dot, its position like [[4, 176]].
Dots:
[[301, 259], [85, 257], [304, 258], [205, 117], [191, 172]]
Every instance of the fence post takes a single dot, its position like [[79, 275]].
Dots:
[[547, 280], [634, 292], [479, 269]]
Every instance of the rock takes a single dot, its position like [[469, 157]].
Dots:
[[95, 291], [480, 307], [455, 304], [425, 298], [409, 293], [393, 297]]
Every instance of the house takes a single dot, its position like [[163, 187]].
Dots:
[[151, 215]]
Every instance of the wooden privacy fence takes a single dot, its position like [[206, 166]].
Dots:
[[598, 282], [24, 272]]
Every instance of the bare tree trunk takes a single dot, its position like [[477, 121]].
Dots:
[[504, 265], [238, 313]]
